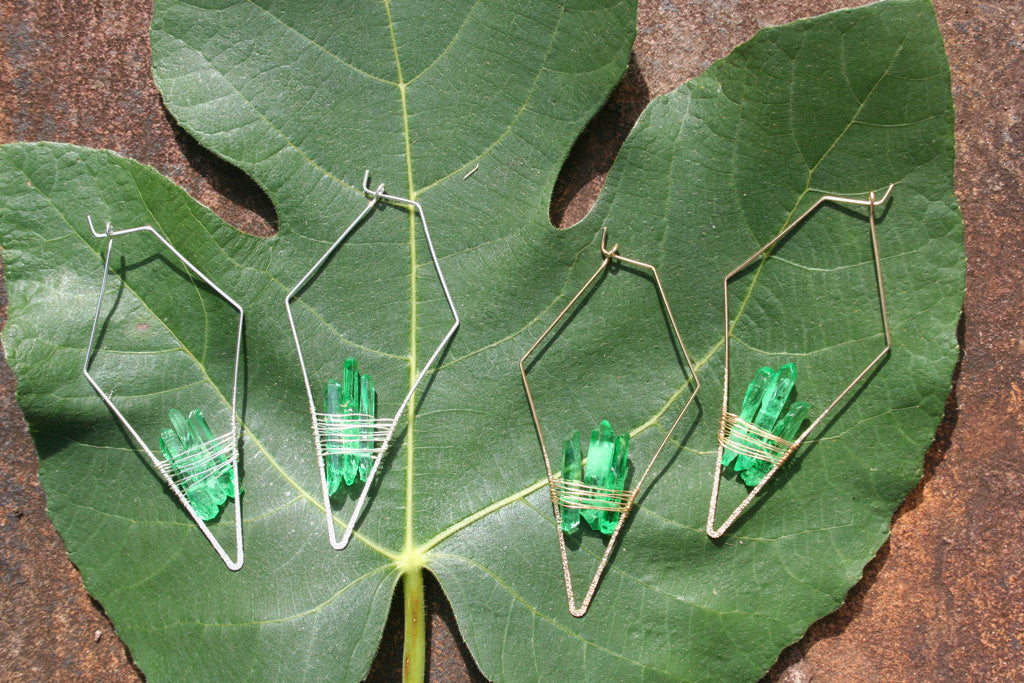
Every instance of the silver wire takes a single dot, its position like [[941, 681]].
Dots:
[[375, 196], [158, 463]]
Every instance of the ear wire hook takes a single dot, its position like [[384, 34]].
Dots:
[[161, 465], [786, 449], [605, 251], [385, 428]]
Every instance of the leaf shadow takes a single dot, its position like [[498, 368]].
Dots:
[[101, 330], [590, 159], [233, 195]]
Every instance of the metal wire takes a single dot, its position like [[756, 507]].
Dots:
[[201, 463], [871, 202], [580, 496], [747, 439], [559, 488], [231, 437], [350, 434], [380, 430]]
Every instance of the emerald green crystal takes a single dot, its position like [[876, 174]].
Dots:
[[333, 456], [598, 469], [789, 424], [352, 400], [606, 468], [775, 397], [751, 402], [226, 474], [185, 431], [617, 481], [786, 428], [753, 475], [200, 471], [572, 471], [773, 416], [368, 408]]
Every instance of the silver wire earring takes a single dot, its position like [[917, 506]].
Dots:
[[200, 468], [350, 440], [759, 440]]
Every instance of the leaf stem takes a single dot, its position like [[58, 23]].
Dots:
[[414, 655]]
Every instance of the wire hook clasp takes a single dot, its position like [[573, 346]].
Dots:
[[605, 251], [374, 194], [108, 232], [872, 202]]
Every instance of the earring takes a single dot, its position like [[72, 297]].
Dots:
[[349, 438], [201, 469], [759, 440], [594, 491]]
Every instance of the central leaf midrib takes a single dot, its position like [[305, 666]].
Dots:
[[410, 436]]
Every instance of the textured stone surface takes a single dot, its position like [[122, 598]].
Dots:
[[944, 599]]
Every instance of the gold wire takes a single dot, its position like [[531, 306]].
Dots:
[[579, 496], [871, 202], [626, 505], [746, 439]]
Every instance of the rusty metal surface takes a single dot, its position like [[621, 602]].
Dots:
[[943, 600]]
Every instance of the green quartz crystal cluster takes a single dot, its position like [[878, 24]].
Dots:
[[765, 407], [200, 467], [605, 468], [354, 399]]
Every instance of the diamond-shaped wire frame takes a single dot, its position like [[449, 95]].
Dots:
[[626, 503], [788, 449], [383, 429], [227, 442]]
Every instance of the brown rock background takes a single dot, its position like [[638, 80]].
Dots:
[[943, 600]]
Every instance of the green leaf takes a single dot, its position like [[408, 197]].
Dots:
[[305, 97]]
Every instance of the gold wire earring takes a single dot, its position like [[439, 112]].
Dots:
[[594, 490], [759, 440]]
